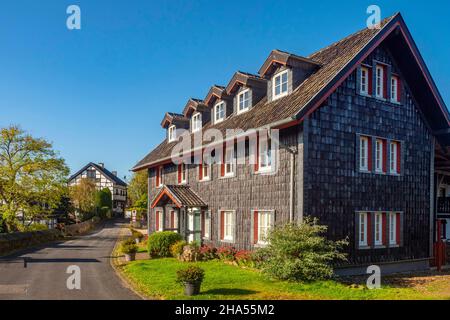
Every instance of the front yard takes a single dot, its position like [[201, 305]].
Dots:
[[156, 279]]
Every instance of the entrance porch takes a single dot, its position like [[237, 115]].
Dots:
[[178, 209]]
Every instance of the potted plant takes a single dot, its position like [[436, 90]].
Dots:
[[137, 236], [191, 278], [129, 248]]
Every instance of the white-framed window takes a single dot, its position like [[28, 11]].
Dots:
[[280, 84], [160, 176], [363, 153], [172, 135], [379, 149], [229, 162], [394, 87], [265, 154], [264, 226], [173, 220], [196, 122], [392, 228], [219, 112], [243, 101], [393, 159], [206, 172], [159, 220], [364, 85], [182, 173], [207, 225], [379, 81], [378, 229], [363, 229], [228, 225]]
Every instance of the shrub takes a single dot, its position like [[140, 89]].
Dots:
[[128, 246], [177, 248], [191, 274], [299, 252], [244, 258], [159, 243], [33, 227], [226, 253], [208, 253], [136, 234]]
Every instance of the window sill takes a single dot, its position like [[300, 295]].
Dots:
[[204, 180], [229, 176], [265, 171], [365, 95], [364, 171], [364, 247], [260, 245], [243, 111], [281, 95], [395, 102], [227, 241], [394, 246]]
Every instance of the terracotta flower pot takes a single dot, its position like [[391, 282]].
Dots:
[[192, 289], [130, 256]]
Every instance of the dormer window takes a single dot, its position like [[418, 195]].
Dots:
[[219, 112], [280, 85], [196, 122], [244, 101], [172, 133]]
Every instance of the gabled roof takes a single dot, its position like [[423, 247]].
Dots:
[[192, 105], [169, 117], [216, 91], [244, 79], [337, 62], [108, 174], [278, 57], [181, 196]]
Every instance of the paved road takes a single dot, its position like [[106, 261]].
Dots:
[[45, 276]]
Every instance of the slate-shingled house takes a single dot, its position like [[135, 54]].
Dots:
[[359, 121]]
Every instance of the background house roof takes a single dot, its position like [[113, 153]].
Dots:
[[103, 170]]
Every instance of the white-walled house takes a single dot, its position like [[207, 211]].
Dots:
[[104, 178]]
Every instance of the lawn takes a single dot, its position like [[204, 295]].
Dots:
[[156, 279]]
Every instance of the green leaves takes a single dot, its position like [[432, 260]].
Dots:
[[32, 177], [300, 252]]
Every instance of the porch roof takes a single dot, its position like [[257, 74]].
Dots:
[[180, 196]]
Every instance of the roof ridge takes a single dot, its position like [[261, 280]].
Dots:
[[383, 23]]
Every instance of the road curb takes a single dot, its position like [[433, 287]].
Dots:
[[114, 261]]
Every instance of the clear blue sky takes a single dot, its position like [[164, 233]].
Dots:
[[99, 94]]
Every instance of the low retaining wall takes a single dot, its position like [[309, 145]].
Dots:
[[15, 241], [80, 228], [11, 242]]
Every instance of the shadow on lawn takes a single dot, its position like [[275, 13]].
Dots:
[[229, 292]]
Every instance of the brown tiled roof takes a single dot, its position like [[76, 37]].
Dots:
[[184, 196], [332, 58]]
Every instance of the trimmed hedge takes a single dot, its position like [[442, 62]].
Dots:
[[159, 243]]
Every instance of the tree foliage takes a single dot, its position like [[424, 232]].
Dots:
[[33, 178], [300, 252], [83, 196], [103, 198], [137, 190]]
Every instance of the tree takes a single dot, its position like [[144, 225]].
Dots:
[[33, 178], [137, 189], [103, 198], [82, 196]]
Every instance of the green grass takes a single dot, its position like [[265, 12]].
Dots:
[[157, 279]]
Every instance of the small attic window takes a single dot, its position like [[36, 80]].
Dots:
[[196, 122], [244, 101], [172, 133], [280, 84], [219, 112]]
